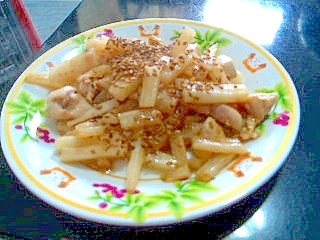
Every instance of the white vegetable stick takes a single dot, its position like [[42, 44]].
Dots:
[[134, 166], [150, 86], [139, 118], [67, 73], [227, 145], [213, 166], [96, 111], [208, 93]]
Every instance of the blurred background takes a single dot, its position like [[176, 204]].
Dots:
[[30, 27]]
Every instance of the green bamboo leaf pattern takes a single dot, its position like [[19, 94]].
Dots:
[[16, 108], [190, 190], [176, 34], [179, 185], [24, 109], [262, 128], [284, 100], [191, 197], [108, 197], [210, 38], [81, 43], [29, 116], [24, 138], [25, 98], [26, 104], [94, 198], [177, 208], [130, 199], [224, 42], [137, 199], [283, 92], [138, 213], [273, 115], [151, 202], [117, 207], [168, 195], [38, 104], [195, 185], [19, 120], [137, 206]]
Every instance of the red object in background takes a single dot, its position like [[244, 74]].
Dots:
[[27, 24]]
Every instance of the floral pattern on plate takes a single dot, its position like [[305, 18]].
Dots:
[[29, 114], [137, 205]]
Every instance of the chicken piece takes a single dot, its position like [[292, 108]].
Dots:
[[221, 69], [222, 113], [228, 116], [260, 104], [93, 84], [228, 66], [167, 101], [66, 104], [210, 128]]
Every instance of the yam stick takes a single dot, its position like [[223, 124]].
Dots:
[[209, 93], [134, 166], [213, 166], [216, 145]]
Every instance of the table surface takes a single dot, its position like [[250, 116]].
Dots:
[[287, 206], [47, 16]]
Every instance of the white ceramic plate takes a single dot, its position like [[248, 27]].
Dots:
[[96, 197]]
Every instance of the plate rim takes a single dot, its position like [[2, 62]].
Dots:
[[242, 192]]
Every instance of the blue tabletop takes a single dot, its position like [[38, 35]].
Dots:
[[286, 207], [48, 16]]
